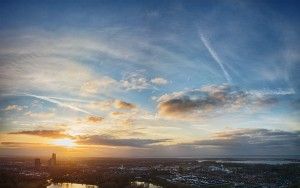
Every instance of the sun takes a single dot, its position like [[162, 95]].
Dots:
[[66, 142]]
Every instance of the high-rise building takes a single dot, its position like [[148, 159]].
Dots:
[[52, 160], [37, 163]]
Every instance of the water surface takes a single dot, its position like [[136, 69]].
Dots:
[[145, 184], [71, 185]]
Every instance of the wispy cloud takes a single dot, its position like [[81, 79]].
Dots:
[[40, 115], [44, 133]]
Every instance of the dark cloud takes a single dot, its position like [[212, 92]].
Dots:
[[44, 133], [18, 143], [209, 99], [111, 141], [124, 105], [233, 143], [253, 139]]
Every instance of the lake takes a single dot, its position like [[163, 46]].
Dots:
[[77, 185], [145, 184], [70, 185]]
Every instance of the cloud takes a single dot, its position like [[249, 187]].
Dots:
[[21, 144], [264, 92], [138, 81], [209, 100], [27, 73], [126, 122], [254, 138], [101, 84], [111, 141], [94, 119], [13, 107], [36, 58], [123, 105], [135, 81], [117, 113], [159, 81], [104, 105], [110, 105], [44, 133], [230, 143], [40, 115]]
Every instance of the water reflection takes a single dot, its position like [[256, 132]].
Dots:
[[145, 184], [76, 185], [71, 185]]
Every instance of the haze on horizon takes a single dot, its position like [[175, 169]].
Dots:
[[149, 78]]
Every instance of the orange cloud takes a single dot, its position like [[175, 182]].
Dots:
[[116, 113], [123, 105], [94, 119]]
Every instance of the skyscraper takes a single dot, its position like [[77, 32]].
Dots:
[[52, 160]]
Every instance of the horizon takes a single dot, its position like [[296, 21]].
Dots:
[[211, 157], [159, 79]]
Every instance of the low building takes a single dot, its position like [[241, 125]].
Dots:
[[37, 163]]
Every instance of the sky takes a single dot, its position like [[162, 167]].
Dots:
[[149, 78]]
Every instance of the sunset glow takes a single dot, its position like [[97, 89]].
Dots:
[[64, 142]]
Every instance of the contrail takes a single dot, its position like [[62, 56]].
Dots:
[[69, 99], [215, 57], [59, 103]]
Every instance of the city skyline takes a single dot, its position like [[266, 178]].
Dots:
[[149, 79]]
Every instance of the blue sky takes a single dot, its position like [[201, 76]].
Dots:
[[127, 76]]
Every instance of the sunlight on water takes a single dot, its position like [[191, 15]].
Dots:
[[71, 185], [145, 184]]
